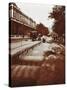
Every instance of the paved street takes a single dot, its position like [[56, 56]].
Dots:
[[19, 46], [37, 53], [15, 45]]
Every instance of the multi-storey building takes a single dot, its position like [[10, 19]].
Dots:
[[19, 23]]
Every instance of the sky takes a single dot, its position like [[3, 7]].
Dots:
[[38, 12]]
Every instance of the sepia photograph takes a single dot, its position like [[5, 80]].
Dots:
[[36, 44]]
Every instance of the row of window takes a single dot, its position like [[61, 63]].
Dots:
[[20, 17]]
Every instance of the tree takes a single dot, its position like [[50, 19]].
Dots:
[[58, 14], [41, 29]]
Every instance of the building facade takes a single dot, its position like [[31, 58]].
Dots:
[[19, 23]]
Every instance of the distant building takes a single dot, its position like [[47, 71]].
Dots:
[[19, 23]]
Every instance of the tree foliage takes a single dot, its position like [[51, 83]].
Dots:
[[58, 14], [41, 29]]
